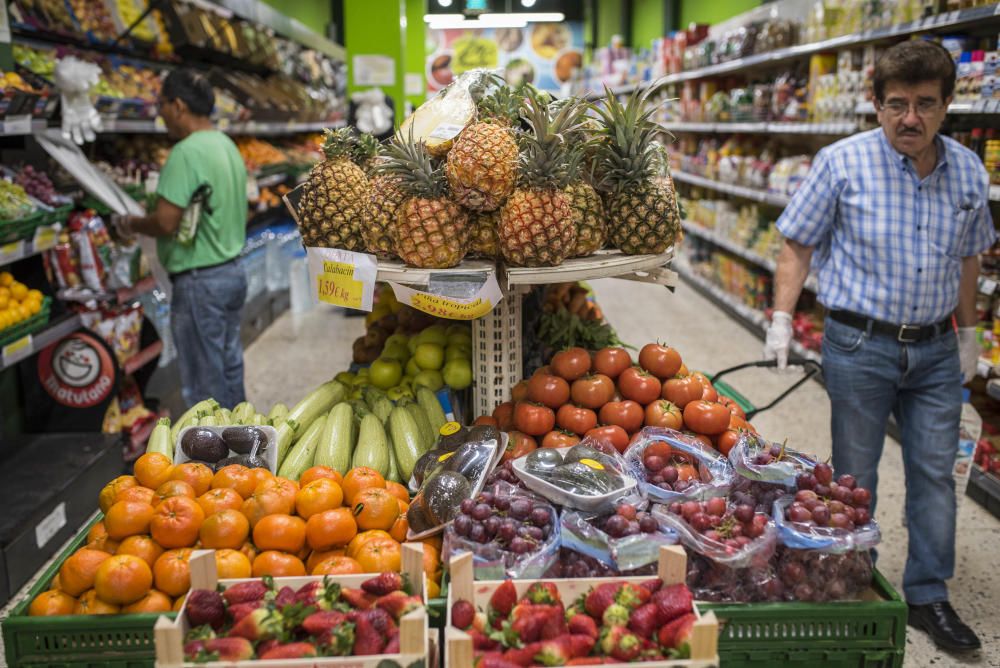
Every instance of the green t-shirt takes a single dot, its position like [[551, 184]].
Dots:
[[206, 156]]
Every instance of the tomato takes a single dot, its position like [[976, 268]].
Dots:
[[519, 445], [543, 371], [504, 413], [576, 419], [736, 422], [559, 439], [547, 389], [709, 393], [626, 414], [611, 361], [707, 417], [519, 391], [682, 391], [533, 419], [733, 407], [683, 371], [638, 385], [658, 449], [592, 391], [487, 420], [664, 414], [661, 361], [612, 434], [726, 440], [701, 438], [571, 363]]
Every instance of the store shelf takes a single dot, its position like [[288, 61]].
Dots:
[[21, 126], [18, 250], [740, 251], [977, 107], [841, 128], [624, 89], [119, 296], [259, 129], [750, 318], [30, 344], [754, 194], [142, 358], [602, 264], [400, 273]]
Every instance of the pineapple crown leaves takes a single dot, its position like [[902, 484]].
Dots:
[[624, 144], [366, 148], [502, 106], [417, 173], [549, 158], [339, 143]]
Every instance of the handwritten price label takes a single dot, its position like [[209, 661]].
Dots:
[[336, 285], [17, 350], [343, 278], [45, 237], [453, 308]]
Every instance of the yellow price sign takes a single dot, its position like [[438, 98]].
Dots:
[[336, 285], [343, 278], [453, 309], [45, 237], [17, 350]]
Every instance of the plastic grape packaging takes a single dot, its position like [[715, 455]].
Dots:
[[757, 459], [613, 540], [590, 475], [671, 466]]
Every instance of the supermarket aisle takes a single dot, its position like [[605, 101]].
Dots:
[[298, 352]]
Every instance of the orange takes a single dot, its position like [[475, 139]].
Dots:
[[686, 472], [176, 522], [361, 539], [321, 555], [222, 498], [377, 555], [90, 604], [96, 531], [317, 472], [283, 487], [110, 491], [264, 503], [433, 589], [172, 572], [337, 566], [76, 575], [358, 479], [432, 562], [277, 564], [141, 494], [153, 469], [224, 529], [173, 488], [153, 601], [280, 532], [128, 518], [398, 491], [123, 579], [375, 508], [260, 475], [249, 551], [143, 547], [436, 541], [235, 477], [104, 544], [319, 495], [179, 603], [50, 603], [400, 528], [56, 583], [196, 474], [232, 564], [330, 529]]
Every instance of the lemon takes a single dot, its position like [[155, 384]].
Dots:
[[4, 302], [34, 306], [6, 278], [35, 294], [4, 320], [23, 312], [14, 315], [18, 291]]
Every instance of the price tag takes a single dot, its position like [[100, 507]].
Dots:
[[45, 237], [253, 188], [50, 525], [18, 350], [453, 308], [12, 251], [17, 125], [224, 124], [446, 131], [159, 125], [343, 278]]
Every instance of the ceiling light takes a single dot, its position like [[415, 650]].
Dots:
[[430, 18], [527, 3], [436, 23], [444, 3], [536, 17]]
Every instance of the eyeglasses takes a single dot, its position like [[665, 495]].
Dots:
[[923, 108]]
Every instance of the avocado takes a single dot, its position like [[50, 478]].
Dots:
[[244, 440], [416, 516], [542, 460], [484, 432], [203, 444], [578, 452], [426, 462], [580, 478], [443, 494], [249, 461], [470, 460], [452, 442]]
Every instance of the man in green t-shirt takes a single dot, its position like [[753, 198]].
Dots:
[[199, 220]]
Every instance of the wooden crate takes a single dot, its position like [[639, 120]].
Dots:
[[672, 569], [414, 635]]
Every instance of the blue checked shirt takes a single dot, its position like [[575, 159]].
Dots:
[[888, 245]]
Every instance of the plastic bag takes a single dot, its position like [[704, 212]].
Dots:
[[818, 576], [492, 560], [714, 472], [590, 475], [802, 536], [582, 532], [779, 470]]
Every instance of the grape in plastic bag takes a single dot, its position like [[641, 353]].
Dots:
[[582, 532], [755, 458], [712, 475]]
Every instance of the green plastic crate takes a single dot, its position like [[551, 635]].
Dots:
[[22, 228], [113, 641], [29, 326], [862, 634]]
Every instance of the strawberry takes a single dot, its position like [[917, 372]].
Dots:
[[672, 601], [542, 592], [652, 586], [398, 603], [381, 620], [582, 644], [229, 649], [205, 607], [555, 624], [325, 620], [358, 599], [584, 625], [620, 643], [503, 599], [643, 620], [586, 661], [337, 641], [615, 614], [481, 622], [555, 651], [669, 633], [367, 640], [522, 656], [462, 614], [599, 598], [241, 610], [383, 584], [292, 650], [192, 648], [682, 635], [286, 596], [392, 647], [527, 621], [246, 592], [267, 645], [495, 661], [632, 596], [323, 595], [261, 624], [482, 641]]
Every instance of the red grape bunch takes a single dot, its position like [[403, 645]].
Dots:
[[735, 527], [515, 523], [822, 502], [811, 575], [626, 521]]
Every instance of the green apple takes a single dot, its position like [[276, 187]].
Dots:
[[399, 392], [458, 374], [345, 377], [407, 382], [430, 379], [456, 353], [460, 337], [396, 351], [412, 343], [434, 334], [397, 338], [386, 372], [456, 327], [429, 356], [363, 372], [412, 368]]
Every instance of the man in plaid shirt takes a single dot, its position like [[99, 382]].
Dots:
[[894, 220]]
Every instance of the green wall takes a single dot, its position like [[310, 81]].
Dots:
[[315, 14], [608, 21], [415, 47], [372, 27], [647, 23], [702, 11]]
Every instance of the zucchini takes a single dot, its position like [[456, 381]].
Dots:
[[242, 412], [406, 440], [372, 395], [373, 446], [337, 442], [277, 412], [301, 456], [314, 404], [206, 406], [393, 474], [377, 400], [259, 420], [208, 421], [159, 440], [224, 416], [432, 408], [423, 424], [360, 409]]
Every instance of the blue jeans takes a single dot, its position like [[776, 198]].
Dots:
[[870, 375], [205, 316]]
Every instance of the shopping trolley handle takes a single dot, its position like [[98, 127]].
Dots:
[[811, 369]]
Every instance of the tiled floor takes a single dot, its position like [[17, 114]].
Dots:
[[300, 351]]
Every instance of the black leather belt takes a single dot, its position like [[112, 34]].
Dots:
[[179, 274], [902, 333]]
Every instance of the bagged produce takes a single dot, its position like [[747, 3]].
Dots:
[[590, 475], [672, 466], [626, 540], [755, 458]]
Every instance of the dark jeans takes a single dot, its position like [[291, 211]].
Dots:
[[869, 376], [205, 319]]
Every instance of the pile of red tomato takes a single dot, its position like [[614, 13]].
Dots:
[[605, 395]]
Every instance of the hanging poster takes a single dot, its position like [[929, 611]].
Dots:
[[544, 54]]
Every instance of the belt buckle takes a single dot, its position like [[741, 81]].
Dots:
[[901, 336]]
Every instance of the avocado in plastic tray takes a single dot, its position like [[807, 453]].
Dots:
[[587, 477], [253, 446]]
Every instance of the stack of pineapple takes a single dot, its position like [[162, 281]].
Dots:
[[525, 179]]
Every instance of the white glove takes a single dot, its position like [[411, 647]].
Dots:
[[779, 336], [968, 352], [74, 78]]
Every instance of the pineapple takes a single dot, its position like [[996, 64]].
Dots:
[[431, 231], [536, 222], [335, 198], [383, 205], [588, 217], [483, 233], [641, 206], [365, 153]]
